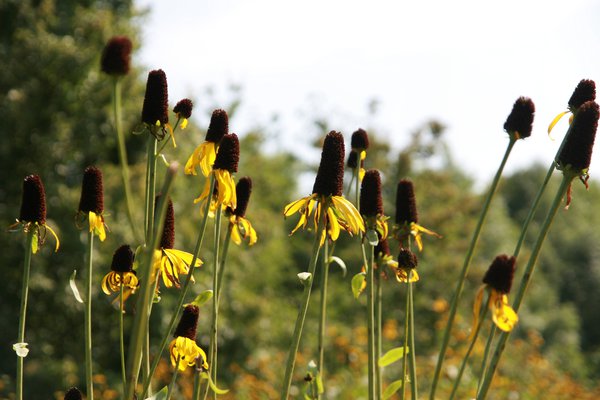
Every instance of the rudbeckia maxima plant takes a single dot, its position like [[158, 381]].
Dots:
[[183, 349], [407, 218], [327, 195], [359, 143], [91, 204], [121, 272], [241, 228], [155, 110], [205, 154], [584, 91]]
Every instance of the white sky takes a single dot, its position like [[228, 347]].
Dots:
[[462, 62]]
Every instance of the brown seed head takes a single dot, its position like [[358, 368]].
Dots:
[[184, 108], [585, 91], [218, 127], [92, 197], [243, 189], [371, 203], [228, 155], [330, 176], [406, 205], [359, 140], [33, 203], [500, 274], [383, 248], [407, 259], [122, 260], [352, 159], [156, 100], [520, 119], [167, 240], [116, 56], [73, 394], [188, 322], [577, 150]]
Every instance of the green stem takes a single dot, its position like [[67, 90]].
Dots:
[[23, 312], [179, 307], [224, 252], [413, 352], [323, 309], [123, 155], [357, 185], [121, 337], [529, 270], [486, 356], [166, 142], [150, 188], [465, 268], [173, 379], [378, 336], [291, 360], [482, 314], [406, 334], [146, 289], [88, 320], [371, 322]]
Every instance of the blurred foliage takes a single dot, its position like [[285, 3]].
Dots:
[[57, 120]]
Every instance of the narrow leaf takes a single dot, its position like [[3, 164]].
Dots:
[[391, 389], [203, 298], [339, 262], [358, 282], [392, 356], [160, 395], [74, 287], [212, 385]]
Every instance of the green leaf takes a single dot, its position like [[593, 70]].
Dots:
[[372, 237], [391, 389], [212, 385], [203, 298], [74, 287], [392, 356], [320, 387], [339, 262], [357, 284], [34, 242], [160, 395]]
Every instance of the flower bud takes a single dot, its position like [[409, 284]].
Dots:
[[359, 140], [183, 108], [330, 176]]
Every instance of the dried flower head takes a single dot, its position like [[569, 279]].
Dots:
[[116, 56], [122, 260], [359, 140], [156, 99], [183, 108], [577, 150], [406, 205], [188, 322], [33, 203], [330, 176], [407, 259], [500, 273], [520, 120], [585, 91], [218, 127], [228, 155], [73, 394], [371, 203], [92, 197]]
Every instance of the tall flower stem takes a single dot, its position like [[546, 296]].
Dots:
[[173, 379], [411, 333], [378, 336], [23, 312], [123, 155], [323, 309], [371, 321], [465, 268], [486, 356], [529, 270], [88, 319], [179, 307], [121, 338], [291, 360], [224, 252], [140, 321], [406, 339], [481, 317]]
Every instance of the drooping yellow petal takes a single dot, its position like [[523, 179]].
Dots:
[[334, 226], [97, 225], [204, 157], [226, 195], [296, 205], [183, 124], [186, 351], [477, 308], [349, 213], [555, 121], [235, 234], [170, 129], [108, 283], [185, 257], [55, 237], [503, 315]]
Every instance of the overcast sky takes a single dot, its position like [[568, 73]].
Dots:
[[461, 62]]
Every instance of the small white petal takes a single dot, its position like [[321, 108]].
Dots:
[[21, 349], [304, 276]]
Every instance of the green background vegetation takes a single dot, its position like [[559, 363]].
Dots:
[[56, 120]]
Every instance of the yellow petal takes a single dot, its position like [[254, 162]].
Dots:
[[294, 206], [334, 226], [503, 315], [55, 237], [235, 235], [207, 157], [555, 121], [185, 256], [184, 123]]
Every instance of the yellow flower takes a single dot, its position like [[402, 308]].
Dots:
[[241, 228], [113, 281], [171, 263], [585, 91], [406, 267], [39, 235], [224, 194], [204, 157], [503, 315], [97, 225], [187, 352]]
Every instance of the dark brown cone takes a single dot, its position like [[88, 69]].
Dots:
[[500, 274], [156, 100], [359, 140], [330, 176], [33, 203], [116, 56], [585, 91], [406, 205], [218, 127], [371, 203], [188, 322], [228, 155], [122, 260], [167, 241], [243, 189], [577, 150], [92, 197], [73, 394], [352, 159], [184, 108], [520, 119], [383, 248], [407, 259]]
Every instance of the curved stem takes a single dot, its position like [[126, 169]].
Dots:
[[291, 361], [529, 270], [88, 320], [23, 310], [465, 268]]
